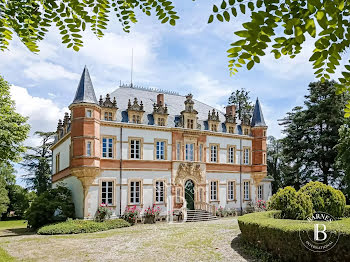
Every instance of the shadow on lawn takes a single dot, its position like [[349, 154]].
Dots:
[[237, 245], [13, 232]]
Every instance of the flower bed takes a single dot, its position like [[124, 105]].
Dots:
[[281, 237], [81, 226]]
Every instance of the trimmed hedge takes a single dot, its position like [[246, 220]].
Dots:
[[325, 198], [347, 211], [293, 204], [81, 226], [280, 237]]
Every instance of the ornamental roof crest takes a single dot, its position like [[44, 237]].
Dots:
[[135, 106]]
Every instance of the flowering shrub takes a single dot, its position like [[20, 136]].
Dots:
[[261, 205], [152, 212], [131, 214], [220, 212], [103, 213]]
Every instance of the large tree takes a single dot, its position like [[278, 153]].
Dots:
[[37, 161], [13, 127], [280, 25], [312, 136], [343, 148], [241, 99]]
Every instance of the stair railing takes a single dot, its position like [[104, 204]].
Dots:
[[206, 207]]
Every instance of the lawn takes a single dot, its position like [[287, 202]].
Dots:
[[201, 241], [13, 224]]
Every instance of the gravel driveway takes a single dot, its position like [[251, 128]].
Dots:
[[200, 241]]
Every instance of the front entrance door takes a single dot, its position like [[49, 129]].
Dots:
[[189, 194]]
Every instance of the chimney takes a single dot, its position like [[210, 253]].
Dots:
[[160, 99], [231, 110]]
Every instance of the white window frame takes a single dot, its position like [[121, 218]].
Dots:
[[201, 152], [109, 147], [246, 190], [160, 192], [89, 148], [135, 192], [178, 195], [246, 156], [214, 186], [189, 151], [231, 190], [178, 151], [107, 192], [160, 150], [89, 113], [214, 153], [135, 153], [231, 154]]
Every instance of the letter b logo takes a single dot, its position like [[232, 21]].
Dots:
[[317, 231]]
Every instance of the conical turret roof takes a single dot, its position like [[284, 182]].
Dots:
[[258, 118], [85, 91]]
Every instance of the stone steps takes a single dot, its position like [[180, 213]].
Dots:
[[199, 215]]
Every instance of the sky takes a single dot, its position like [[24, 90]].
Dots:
[[188, 58]]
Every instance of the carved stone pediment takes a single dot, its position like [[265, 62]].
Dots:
[[135, 106], [189, 171]]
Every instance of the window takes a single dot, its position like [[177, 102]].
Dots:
[[246, 131], [246, 189], [201, 152], [260, 192], [161, 121], [190, 152], [135, 192], [264, 158], [246, 156], [178, 195], [107, 192], [89, 113], [213, 153], [107, 147], [264, 133], [214, 127], [231, 154], [136, 119], [190, 123], [159, 191], [57, 162], [88, 148], [213, 190], [231, 190], [160, 150], [108, 116], [178, 151], [135, 149], [231, 130]]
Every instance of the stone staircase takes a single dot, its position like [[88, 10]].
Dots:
[[199, 215]]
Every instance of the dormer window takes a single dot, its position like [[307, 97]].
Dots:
[[214, 127], [231, 130], [161, 121], [246, 131], [136, 119], [108, 116], [190, 123]]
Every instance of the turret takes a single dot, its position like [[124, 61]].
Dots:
[[259, 128]]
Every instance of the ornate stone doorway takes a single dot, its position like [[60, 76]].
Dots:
[[189, 194]]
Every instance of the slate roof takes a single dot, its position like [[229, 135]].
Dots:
[[85, 92], [174, 102], [258, 118]]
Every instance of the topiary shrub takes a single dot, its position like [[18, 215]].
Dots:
[[293, 204], [325, 198], [51, 206], [347, 211], [81, 226]]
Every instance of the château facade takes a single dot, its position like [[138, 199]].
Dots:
[[145, 147]]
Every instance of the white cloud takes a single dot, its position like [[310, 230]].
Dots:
[[48, 71], [43, 113], [117, 49]]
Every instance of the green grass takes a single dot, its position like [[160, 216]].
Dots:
[[4, 257], [13, 224]]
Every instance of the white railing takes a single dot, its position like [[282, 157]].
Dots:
[[205, 206]]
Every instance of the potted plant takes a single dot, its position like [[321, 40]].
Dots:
[[150, 214], [131, 214]]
